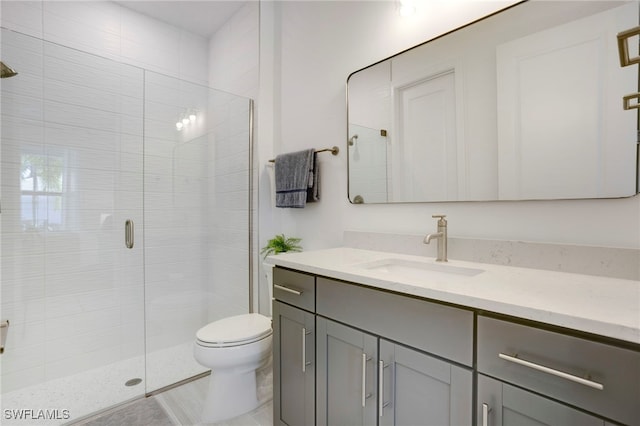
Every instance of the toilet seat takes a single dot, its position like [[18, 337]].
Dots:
[[235, 331]]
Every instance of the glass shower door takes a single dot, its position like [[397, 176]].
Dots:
[[196, 177], [73, 291]]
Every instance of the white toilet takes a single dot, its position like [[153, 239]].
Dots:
[[234, 348]]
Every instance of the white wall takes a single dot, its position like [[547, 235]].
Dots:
[[307, 51], [109, 30]]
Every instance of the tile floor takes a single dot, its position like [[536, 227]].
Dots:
[[89, 392], [182, 405]]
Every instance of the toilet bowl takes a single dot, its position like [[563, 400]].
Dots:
[[233, 348]]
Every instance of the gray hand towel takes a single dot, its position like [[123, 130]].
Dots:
[[293, 174]]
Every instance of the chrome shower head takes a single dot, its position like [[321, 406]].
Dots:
[[5, 71]]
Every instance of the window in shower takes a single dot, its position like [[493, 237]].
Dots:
[[41, 191]]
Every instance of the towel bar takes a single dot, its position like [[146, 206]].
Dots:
[[335, 150]]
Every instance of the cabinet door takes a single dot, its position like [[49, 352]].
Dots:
[[502, 404], [293, 366], [346, 380], [418, 389]]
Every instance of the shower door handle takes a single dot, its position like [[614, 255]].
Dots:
[[4, 328], [128, 233]]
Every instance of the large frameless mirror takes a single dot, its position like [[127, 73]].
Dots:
[[525, 104]]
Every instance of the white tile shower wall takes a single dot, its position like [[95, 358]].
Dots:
[[71, 291], [176, 256], [228, 207], [22, 16], [107, 29], [113, 32]]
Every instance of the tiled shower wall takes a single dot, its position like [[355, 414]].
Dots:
[[195, 201], [72, 144], [109, 30], [104, 318]]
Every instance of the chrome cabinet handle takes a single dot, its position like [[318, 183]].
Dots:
[[288, 290], [128, 233], [551, 371], [485, 414], [381, 403], [365, 395], [305, 333]]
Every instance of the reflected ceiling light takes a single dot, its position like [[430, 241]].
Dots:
[[406, 8], [186, 118]]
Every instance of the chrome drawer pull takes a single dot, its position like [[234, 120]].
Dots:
[[305, 333], [485, 414], [288, 290], [552, 371], [365, 395], [381, 403]]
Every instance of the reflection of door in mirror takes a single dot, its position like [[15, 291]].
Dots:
[[424, 153], [560, 73]]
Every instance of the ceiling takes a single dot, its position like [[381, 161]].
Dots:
[[199, 17]]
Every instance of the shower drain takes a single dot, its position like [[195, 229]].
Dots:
[[133, 382]]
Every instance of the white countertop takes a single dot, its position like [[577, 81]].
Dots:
[[600, 305]]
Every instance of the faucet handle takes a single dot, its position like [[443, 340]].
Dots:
[[442, 221]]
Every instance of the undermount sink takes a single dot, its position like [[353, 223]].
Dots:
[[417, 269]]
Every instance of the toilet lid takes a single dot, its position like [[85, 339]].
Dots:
[[239, 328]]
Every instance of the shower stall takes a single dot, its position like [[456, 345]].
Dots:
[[124, 218]]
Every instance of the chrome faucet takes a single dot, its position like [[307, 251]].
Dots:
[[441, 236]]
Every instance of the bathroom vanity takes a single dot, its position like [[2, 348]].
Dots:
[[365, 337]]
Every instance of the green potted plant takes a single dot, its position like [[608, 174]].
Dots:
[[281, 244]]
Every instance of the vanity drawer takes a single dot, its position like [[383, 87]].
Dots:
[[431, 327], [597, 377], [294, 288]]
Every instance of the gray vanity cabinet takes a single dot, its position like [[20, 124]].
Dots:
[[375, 362], [417, 389], [502, 404], [350, 354], [293, 349], [359, 384], [346, 380], [592, 376], [293, 366]]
